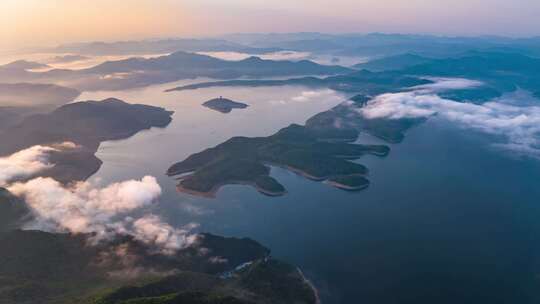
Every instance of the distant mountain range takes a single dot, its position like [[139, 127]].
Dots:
[[504, 71], [381, 44], [388, 52], [354, 44], [18, 100], [365, 82], [139, 72], [22, 65], [396, 62], [162, 46], [186, 63], [35, 95], [500, 73]]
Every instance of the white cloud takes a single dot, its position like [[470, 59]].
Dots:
[[29, 162], [442, 84], [86, 208], [278, 56], [286, 55], [519, 125], [67, 145], [307, 96], [83, 208], [400, 105], [151, 230], [327, 96], [24, 163]]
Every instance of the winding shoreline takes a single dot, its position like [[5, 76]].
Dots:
[[212, 193], [311, 285], [215, 189], [346, 187]]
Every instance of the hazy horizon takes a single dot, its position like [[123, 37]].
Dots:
[[29, 23]]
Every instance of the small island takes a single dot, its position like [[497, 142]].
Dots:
[[314, 154], [224, 105]]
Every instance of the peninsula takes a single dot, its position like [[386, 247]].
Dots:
[[86, 124], [306, 151]]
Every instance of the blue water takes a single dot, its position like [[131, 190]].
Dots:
[[447, 218]]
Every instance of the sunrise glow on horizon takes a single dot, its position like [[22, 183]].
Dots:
[[39, 22]]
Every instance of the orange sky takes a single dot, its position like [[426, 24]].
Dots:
[[49, 22], [38, 22]]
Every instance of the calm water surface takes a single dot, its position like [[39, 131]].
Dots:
[[446, 217]]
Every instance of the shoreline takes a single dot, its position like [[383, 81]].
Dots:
[[215, 189], [306, 175], [311, 285], [346, 187], [212, 193]]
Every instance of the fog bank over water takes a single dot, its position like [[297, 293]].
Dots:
[[518, 124], [292, 56]]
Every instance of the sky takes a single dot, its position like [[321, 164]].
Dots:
[[50, 22]]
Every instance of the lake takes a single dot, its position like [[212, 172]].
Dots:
[[447, 217]]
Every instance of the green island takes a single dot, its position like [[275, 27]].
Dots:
[[313, 153], [224, 105]]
